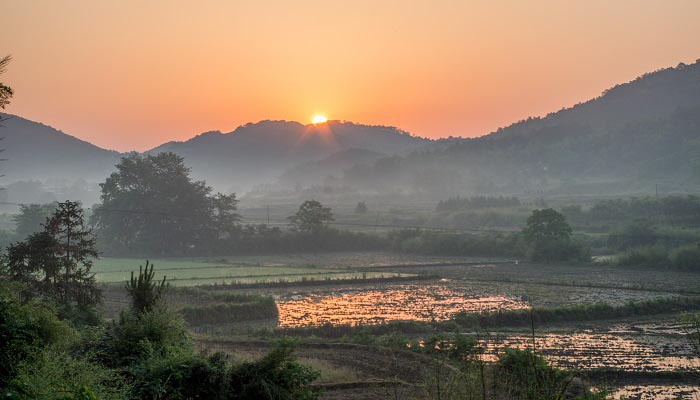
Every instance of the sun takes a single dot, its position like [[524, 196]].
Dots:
[[319, 119]]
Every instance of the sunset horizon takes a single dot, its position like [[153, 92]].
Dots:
[[172, 71], [350, 200]]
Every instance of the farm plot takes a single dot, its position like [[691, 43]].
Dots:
[[378, 305], [192, 272]]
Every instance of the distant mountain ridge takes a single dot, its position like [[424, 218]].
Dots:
[[624, 140], [632, 135], [260, 152], [36, 151]]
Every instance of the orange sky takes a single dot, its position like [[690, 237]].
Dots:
[[133, 74]]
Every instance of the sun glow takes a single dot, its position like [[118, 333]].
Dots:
[[319, 119]]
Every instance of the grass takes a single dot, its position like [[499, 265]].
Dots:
[[192, 272]]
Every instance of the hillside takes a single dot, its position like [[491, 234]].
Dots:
[[260, 152], [632, 136], [36, 151]]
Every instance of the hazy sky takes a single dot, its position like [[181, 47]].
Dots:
[[133, 74]]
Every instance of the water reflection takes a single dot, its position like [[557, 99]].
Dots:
[[593, 351], [368, 306]]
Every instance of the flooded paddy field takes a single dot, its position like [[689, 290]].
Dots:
[[593, 351], [601, 276], [379, 305], [650, 345]]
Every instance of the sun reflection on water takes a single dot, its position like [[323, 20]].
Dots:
[[410, 302]]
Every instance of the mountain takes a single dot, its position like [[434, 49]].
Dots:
[[633, 136], [627, 140], [260, 152], [36, 151], [315, 171]]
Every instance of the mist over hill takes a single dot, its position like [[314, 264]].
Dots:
[[260, 152], [633, 136]]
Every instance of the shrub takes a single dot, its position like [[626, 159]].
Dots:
[[180, 374], [643, 257], [687, 258], [25, 328], [138, 335], [277, 376], [57, 375]]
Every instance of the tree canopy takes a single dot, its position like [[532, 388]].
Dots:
[[547, 224], [311, 217], [151, 205]]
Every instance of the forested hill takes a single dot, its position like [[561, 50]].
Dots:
[[260, 152], [36, 151], [633, 135]]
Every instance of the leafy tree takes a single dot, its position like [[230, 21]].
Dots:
[[56, 263], [31, 218], [547, 224], [152, 206], [549, 237], [361, 208], [312, 217]]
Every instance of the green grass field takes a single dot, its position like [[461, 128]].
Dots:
[[193, 271]]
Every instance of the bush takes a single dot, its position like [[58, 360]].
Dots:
[[643, 257], [180, 374], [687, 258], [139, 335], [55, 374], [277, 376], [558, 250], [24, 329]]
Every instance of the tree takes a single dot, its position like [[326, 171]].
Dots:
[[6, 92], [145, 292], [545, 225], [361, 208], [152, 206], [549, 237], [31, 218], [312, 217], [56, 263]]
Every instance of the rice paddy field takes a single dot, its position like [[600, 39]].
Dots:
[[640, 356]]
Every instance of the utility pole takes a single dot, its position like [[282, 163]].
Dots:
[[268, 215], [376, 223]]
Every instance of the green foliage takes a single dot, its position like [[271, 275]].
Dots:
[[547, 225], [652, 256], [56, 264], [549, 236], [361, 208], [24, 329], [686, 258], [639, 233], [151, 205], [180, 374], [440, 243], [144, 291], [137, 334], [31, 218], [277, 376], [525, 375], [311, 217], [58, 375]]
